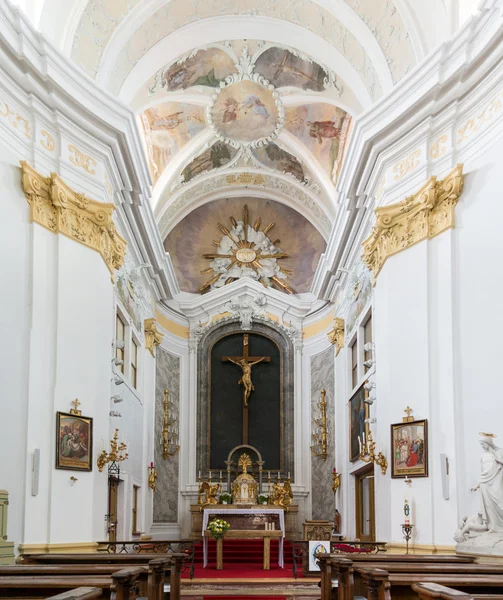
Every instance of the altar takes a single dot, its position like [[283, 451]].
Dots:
[[255, 518]]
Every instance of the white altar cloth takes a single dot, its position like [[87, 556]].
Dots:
[[244, 511]]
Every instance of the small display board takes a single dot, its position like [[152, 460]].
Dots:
[[316, 548]]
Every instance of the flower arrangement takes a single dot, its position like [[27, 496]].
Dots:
[[263, 499], [225, 498], [218, 527]]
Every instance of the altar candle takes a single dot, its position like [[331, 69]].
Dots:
[[210, 475], [151, 465], [220, 474], [278, 476], [360, 444], [268, 474], [335, 470], [288, 474], [199, 474]]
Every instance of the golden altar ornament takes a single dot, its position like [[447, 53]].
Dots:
[[117, 452], [208, 493], [244, 487], [282, 494]]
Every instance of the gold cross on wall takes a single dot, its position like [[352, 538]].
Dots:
[[75, 410]]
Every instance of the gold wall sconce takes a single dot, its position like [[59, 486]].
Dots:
[[367, 453], [336, 480], [116, 455], [73, 480], [319, 435], [152, 476], [169, 440]]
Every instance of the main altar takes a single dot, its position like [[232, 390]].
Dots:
[[250, 513]]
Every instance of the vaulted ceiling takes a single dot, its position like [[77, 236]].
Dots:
[[245, 102]]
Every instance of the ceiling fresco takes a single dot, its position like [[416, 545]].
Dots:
[[234, 91], [168, 127], [323, 129], [227, 239]]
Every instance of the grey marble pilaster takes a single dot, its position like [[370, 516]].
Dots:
[[166, 493], [323, 377]]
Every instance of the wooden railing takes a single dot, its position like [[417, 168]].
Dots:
[[300, 551], [186, 547]]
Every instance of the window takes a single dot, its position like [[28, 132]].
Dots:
[[367, 337], [120, 331], [136, 489], [134, 362], [354, 364]]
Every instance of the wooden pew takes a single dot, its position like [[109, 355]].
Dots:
[[435, 591], [82, 593], [122, 584]]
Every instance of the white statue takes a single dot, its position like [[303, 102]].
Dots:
[[490, 519]]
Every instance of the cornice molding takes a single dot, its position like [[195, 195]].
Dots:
[[153, 337], [336, 335], [60, 209], [424, 215]]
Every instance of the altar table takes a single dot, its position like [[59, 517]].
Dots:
[[247, 534], [221, 512]]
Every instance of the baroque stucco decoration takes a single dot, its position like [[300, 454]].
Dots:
[[336, 335], [424, 215], [58, 208], [153, 337]]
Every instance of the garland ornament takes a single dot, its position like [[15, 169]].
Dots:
[[424, 215]]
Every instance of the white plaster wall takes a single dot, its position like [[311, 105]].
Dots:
[[438, 327], [56, 315], [14, 332], [478, 288]]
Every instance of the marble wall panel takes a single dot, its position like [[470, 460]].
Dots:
[[166, 493], [323, 377]]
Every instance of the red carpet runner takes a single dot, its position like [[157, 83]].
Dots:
[[242, 558]]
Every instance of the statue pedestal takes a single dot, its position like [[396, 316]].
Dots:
[[486, 544], [291, 529]]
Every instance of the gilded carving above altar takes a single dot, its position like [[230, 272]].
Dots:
[[153, 337], [421, 216], [59, 208], [336, 335]]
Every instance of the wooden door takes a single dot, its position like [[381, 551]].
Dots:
[[113, 518], [365, 505]]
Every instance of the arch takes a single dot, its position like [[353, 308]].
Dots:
[[287, 353]]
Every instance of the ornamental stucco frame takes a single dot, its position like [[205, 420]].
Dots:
[[287, 353]]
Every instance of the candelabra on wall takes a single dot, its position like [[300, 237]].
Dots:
[[320, 442], [367, 453], [116, 455], [169, 440]]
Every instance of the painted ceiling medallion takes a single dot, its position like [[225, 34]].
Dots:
[[246, 251], [246, 111]]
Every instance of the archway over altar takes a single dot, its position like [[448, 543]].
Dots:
[[267, 419]]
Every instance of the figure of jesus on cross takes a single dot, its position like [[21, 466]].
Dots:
[[246, 363]]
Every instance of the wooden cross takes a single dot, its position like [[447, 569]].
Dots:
[[245, 362]]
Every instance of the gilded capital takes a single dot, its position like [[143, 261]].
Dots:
[[153, 337], [424, 215], [336, 335], [60, 209]]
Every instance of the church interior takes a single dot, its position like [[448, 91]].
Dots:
[[245, 244]]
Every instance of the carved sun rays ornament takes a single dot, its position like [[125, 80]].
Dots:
[[246, 251]]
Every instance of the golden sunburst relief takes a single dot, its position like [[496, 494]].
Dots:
[[246, 251]]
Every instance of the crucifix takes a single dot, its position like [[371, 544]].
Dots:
[[246, 363]]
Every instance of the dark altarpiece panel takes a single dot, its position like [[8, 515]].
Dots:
[[220, 399], [227, 406]]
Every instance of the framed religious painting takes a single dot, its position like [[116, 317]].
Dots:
[[358, 429], [409, 448], [74, 442]]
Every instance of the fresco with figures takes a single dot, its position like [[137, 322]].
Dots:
[[284, 69], [245, 111], [323, 128], [274, 157], [168, 127], [206, 68], [217, 156]]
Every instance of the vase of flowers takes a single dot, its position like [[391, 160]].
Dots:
[[225, 498], [218, 527], [263, 499]]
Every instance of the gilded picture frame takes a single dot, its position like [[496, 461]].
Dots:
[[358, 413], [409, 449], [74, 442]]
